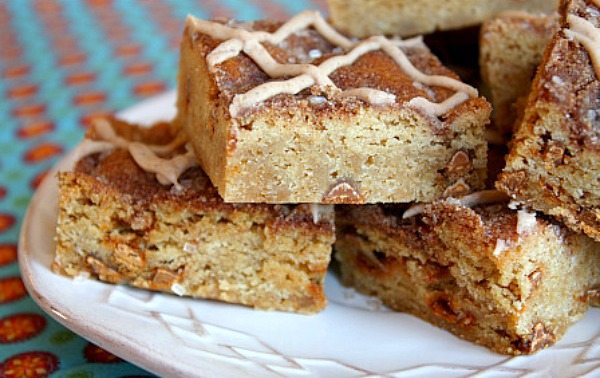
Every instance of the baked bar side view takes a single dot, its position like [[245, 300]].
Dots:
[[316, 117], [501, 278], [553, 164], [119, 224], [511, 49], [362, 18]]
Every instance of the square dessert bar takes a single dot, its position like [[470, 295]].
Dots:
[[511, 49], [502, 278], [362, 18], [124, 219], [297, 113], [554, 162]]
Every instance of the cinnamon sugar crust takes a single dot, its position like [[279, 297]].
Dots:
[[553, 162], [295, 148], [505, 279], [141, 189], [568, 81], [375, 70], [487, 223], [117, 223]]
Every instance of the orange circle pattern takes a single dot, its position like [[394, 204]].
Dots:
[[20, 327], [11, 289], [29, 365], [8, 254], [93, 353]]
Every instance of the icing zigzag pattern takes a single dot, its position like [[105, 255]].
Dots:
[[167, 171], [239, 40]]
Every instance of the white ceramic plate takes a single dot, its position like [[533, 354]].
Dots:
[[354, 336]]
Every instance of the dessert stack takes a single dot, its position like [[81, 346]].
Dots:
[[293, 140]]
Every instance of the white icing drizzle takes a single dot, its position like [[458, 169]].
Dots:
[[309, 74], [526, 222], [413, 211], [106, 132], [82, 276], [320, 211], [369, 95], [483, 197], [90, 147], [584, 32], [501, 246], [238, 40], [178, 289], [442, 107], [167, 171]]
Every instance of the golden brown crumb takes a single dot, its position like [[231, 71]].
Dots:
[[502, 278], [553, 162], [119, 224], [511, 49], [296, 148], [408, 17]]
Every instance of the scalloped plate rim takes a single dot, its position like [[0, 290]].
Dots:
[[132, 350]]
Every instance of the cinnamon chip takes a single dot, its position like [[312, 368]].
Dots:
[[343, 192], [459, 164]]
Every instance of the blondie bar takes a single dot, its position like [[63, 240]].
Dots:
[[511, 49], [297, 113], [362, 18], [137, 210], [554, 162], [502, 278]]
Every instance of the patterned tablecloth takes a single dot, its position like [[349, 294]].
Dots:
[[62, 62]]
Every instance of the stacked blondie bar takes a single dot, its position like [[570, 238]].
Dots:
[[278, 122]]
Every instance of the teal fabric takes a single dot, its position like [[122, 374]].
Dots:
[[60, 63]]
